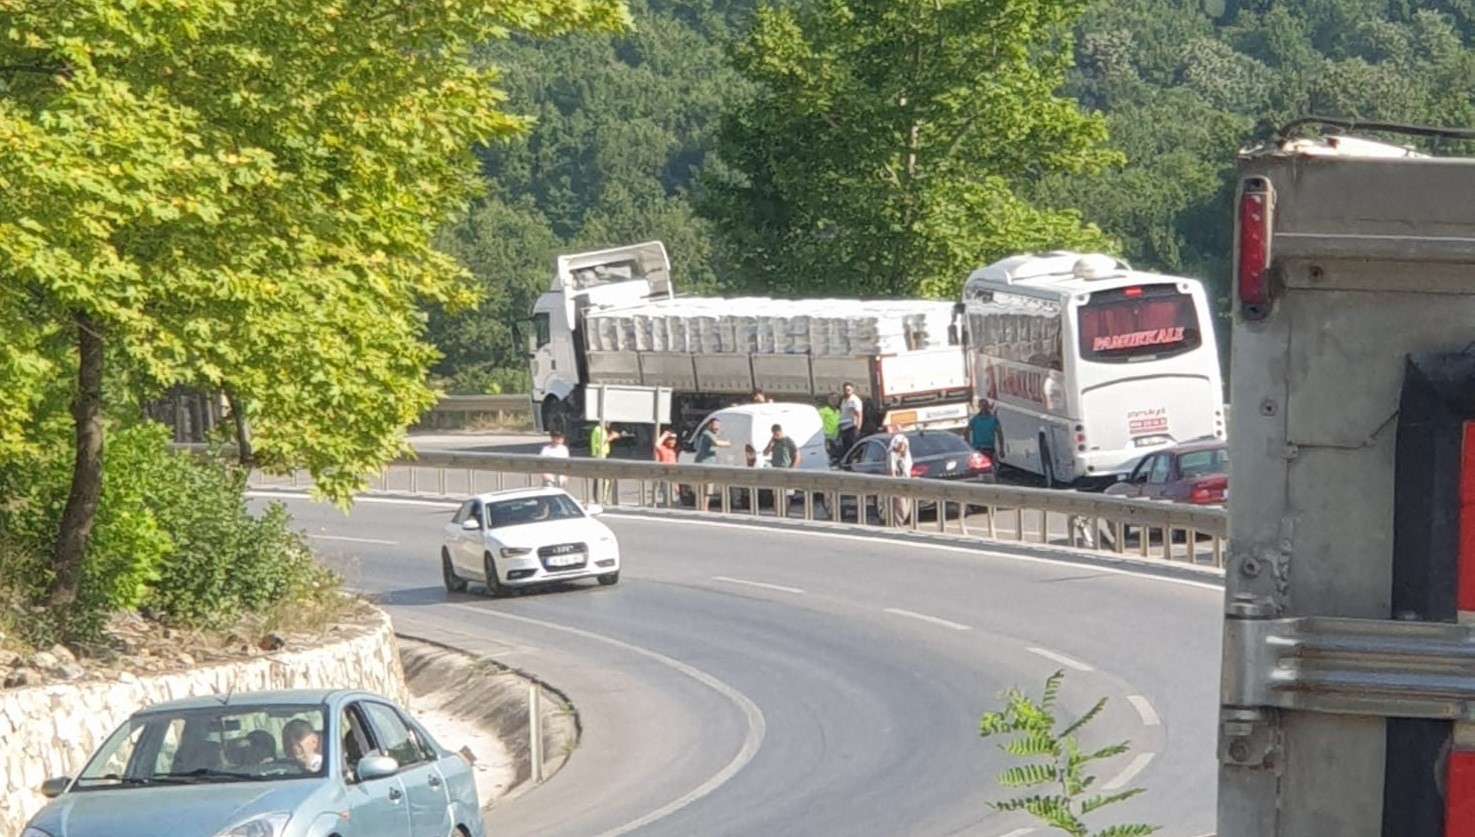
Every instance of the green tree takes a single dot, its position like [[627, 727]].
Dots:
[[886, 148], [243, 196]]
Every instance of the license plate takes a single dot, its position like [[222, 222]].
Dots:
[[568, 559], [1149, 441]]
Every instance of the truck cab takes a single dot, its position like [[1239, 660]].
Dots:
[[612, 278]]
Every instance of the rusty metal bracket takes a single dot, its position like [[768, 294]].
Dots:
[[1352, 666]]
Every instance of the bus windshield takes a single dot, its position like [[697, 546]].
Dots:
[[1134, 323]]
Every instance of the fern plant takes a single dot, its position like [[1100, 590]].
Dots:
[[1059, 789]]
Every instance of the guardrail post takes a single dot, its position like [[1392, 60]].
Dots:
[[1218, 556], [535, 732], [1045, 525], [1167, 543], [414, 480], [1144, 539], [1018, 523], [1118, 537]]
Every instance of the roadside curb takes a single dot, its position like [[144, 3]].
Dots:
[[499, 707], [1156, 567]]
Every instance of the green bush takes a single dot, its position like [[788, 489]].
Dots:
[[173, 538]]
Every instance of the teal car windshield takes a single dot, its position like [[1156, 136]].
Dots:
[[226, 743]]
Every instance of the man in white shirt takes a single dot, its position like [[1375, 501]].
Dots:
[[899, 464], [558, 450], [852, 418]]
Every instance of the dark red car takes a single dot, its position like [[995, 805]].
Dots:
[[1193, 472]]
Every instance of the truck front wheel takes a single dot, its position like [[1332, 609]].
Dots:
[[556, 416]]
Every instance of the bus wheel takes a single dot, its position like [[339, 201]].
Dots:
[[1047, 462]]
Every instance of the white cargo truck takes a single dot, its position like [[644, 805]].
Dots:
[[610, 320], [1348, 683]]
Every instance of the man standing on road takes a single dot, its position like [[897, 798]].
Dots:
[[852, 417], [665, 454], [783, 453], [983, 428], [599, 442], [555, 449], [899, 464], [706, 453], [829, 416]]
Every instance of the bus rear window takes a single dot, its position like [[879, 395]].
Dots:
[[1130, 323]]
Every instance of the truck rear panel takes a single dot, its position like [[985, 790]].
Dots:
[[1369, 260]]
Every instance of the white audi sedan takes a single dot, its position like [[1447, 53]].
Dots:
[[524, 537]]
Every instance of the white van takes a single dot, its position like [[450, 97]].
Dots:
[[751, 425]]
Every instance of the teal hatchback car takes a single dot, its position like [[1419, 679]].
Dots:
[[266, 764]]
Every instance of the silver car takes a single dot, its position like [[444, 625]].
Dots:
[[266, 764], [525, 537]]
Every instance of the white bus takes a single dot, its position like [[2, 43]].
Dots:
[[1089, 363]]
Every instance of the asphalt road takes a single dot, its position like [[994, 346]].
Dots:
[[751, 681]]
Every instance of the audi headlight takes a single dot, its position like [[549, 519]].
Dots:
[[34, 832], [514, 551], [262, 825]]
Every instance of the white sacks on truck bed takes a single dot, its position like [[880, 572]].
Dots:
[[760, 325]]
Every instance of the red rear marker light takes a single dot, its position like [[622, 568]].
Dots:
[[979, 461], [1252, 252], [919, 470], [1134, 291]]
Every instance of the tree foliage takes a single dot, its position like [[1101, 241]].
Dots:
[[885, 149], [621, 124], [239, 195], [1054, 766]]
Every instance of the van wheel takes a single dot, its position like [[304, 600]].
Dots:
[[1047, 462]]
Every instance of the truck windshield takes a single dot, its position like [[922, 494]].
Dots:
[[1138, 322]]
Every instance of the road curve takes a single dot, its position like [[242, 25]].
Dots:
[[755, 681]]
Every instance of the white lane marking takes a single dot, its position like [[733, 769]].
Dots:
[[757, 726], [1028, 559], [1062, 659], [1019, 832], [352, 540], [922, 617], [1130, 773], [779, 587], [1144, 708]]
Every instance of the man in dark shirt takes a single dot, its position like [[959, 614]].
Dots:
[[707, 445], [784, 454]]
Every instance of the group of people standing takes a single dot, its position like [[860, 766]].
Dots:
[[843, 417]]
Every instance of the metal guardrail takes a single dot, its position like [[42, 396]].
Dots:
[[458, 410], [1068, 518]]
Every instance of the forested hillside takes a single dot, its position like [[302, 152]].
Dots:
[[628, 142]]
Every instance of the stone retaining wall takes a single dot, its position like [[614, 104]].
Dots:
[[51, 730]]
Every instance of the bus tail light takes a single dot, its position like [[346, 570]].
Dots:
[[1252, 250]]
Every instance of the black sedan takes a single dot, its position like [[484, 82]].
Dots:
[[936, 454]]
